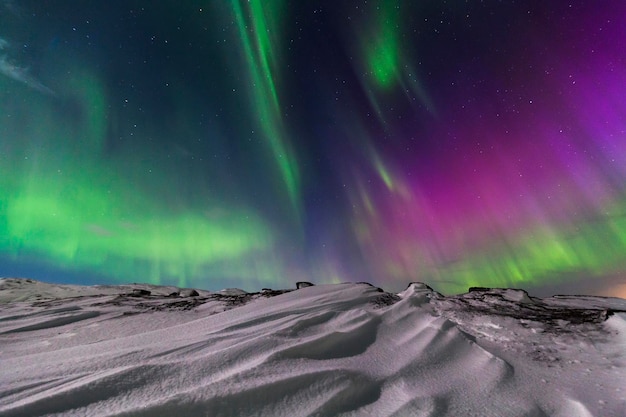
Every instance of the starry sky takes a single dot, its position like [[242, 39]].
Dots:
[[256, 143]]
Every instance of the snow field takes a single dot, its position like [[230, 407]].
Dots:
[[330, 350]]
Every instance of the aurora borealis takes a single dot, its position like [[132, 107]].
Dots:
[[257, 143]]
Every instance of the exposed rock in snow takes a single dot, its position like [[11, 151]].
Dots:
[[139, 292], [326, 350], [232, 291], [189, 293]]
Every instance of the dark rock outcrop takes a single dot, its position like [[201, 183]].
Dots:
[[138, 292]]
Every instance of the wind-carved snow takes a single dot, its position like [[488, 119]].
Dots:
[[346, 349]]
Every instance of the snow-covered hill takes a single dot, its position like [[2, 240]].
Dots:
[[328, 350]]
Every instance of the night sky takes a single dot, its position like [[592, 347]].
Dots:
[[256, 143]]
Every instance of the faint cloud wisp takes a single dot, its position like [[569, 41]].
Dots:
[[19, 73]]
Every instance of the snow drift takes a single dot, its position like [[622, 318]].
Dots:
[[347, 349]]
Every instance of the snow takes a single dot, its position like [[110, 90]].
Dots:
[[326, 350]]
